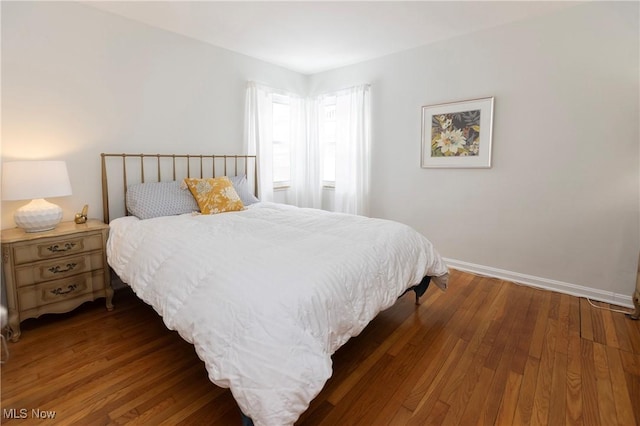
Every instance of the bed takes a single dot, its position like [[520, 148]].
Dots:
[[267, 292]]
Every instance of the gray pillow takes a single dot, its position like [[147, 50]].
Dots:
[[154, 199], [241, 186]]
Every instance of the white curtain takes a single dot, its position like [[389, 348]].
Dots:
[[353, 145], [353, 142], [306, 179], [258, 119]]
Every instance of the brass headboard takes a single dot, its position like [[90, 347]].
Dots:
[[121, 170]]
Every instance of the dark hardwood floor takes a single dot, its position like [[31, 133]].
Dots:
[[485, 352]]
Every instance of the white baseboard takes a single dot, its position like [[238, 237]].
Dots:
[[543, 283]]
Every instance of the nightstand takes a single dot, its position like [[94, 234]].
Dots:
[[54, 271]]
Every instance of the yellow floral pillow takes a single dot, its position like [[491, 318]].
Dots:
[[214, 195]]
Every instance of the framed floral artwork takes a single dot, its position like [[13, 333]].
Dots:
[[457, 134]]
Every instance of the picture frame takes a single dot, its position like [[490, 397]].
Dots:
[[457, 134]]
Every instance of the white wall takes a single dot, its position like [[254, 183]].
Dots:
[[560, 206], [77, 81]]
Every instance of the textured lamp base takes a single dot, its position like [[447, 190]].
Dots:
[[39, 215]]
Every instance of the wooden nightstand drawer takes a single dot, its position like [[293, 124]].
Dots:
[[55, 247], [58, 268], [57, 291]]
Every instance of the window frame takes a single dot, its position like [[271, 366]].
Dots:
[[282, 99]]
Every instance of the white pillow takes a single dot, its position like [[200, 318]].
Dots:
[[241, 186]]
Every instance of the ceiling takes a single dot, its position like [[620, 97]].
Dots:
[[314, 36]]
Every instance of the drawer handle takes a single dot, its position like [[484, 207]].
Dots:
[[56, 248], [56, 269], [59, 291]]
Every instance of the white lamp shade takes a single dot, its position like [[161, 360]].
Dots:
[[28, 180], [36, 180]]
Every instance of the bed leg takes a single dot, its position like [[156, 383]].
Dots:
[[421, 288], [246, 421]]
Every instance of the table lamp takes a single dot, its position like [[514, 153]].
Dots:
[[35, 180]]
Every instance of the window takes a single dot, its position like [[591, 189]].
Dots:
[[281, 139], [328, 140], [303, 143]]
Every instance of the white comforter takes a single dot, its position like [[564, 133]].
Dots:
[[268, 294]]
